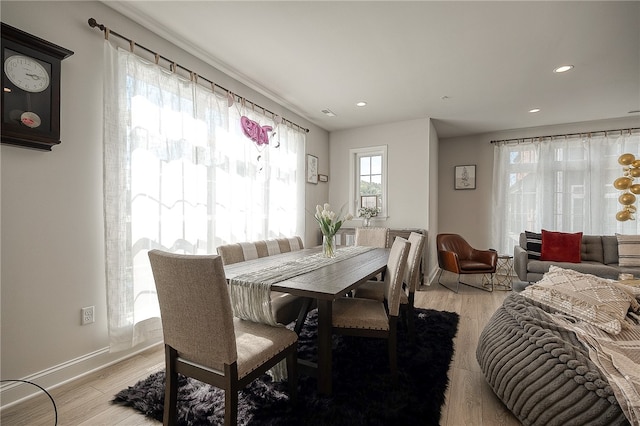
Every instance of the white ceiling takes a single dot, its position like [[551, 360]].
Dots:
[[493, 61]]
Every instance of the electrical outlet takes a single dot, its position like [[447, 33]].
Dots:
[[88, 315]]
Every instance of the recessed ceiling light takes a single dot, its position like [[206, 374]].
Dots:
[[328, 112], [563, 68], [534, 110], [361, 104]]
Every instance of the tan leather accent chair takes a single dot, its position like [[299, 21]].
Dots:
[[202, 338], [457, 256]]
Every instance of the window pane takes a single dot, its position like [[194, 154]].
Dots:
[[365, 167], [369, 166], [376, 164]]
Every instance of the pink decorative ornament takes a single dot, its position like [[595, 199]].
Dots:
[[255, 132]]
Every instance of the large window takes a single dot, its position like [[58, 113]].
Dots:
[[562, 184], [181, 176], [368, 179]]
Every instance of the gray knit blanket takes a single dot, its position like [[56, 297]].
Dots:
[[541, 371]]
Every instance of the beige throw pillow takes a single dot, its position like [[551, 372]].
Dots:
[[592, 299], [628, 250]]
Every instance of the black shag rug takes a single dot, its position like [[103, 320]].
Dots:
[[362, 390]]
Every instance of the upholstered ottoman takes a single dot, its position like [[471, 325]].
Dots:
[[543, 373]]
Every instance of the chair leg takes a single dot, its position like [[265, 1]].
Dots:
[[460, 282], [171, 387], [231, 394], [292, 375], [411, 322], [393, 349], [440, 282]]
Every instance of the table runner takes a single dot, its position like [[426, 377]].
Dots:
[[251, 292]]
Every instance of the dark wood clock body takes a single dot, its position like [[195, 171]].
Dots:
[[15, 100]]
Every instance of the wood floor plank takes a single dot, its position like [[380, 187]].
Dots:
[[468, 399]]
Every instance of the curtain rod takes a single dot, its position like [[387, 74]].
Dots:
[[174, 67], [539, 138]]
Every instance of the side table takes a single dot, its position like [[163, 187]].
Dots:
[[503, 278]]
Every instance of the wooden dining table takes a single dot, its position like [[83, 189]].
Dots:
[[325, 285]]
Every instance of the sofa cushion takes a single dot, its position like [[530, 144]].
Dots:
[[561, 246], [592, 249], [610, 249], [534, 244], [583, 296], [595, 268], [628, 250]]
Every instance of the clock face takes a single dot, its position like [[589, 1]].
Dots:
[[26, 73]]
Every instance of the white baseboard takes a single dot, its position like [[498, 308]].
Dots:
[[12, 393]]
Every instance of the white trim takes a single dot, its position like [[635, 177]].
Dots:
[[353, 155], [12, 393]]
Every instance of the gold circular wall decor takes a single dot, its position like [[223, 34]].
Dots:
[[630, 171]]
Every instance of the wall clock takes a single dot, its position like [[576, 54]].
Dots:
[[30, 89]]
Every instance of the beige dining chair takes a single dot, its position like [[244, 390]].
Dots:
[[375, 289], [239, 252], [286, 307], [203, 340], [371, 318], [372, 237]]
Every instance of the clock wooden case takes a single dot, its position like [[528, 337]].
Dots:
[[31, 89]]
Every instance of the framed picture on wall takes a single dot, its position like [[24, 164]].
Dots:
[[312, 169], [465, 177]]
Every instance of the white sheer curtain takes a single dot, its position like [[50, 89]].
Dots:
[[559, 184], [180, 175]]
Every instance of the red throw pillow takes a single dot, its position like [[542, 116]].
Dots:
[[561, 246]]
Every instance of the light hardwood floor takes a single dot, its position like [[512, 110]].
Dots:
[[469, 399]]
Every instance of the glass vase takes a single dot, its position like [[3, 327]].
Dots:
[[366, 222], [329, 245]]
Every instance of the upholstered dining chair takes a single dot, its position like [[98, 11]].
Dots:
[[371, 318], [457, 256], [375, 289], [286, 307], [372, 237], [239, 252], [203, 340]]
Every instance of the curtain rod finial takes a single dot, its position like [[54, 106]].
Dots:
[[93, 23]]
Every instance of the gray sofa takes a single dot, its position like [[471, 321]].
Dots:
[[599, 256]]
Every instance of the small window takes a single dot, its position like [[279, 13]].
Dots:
[[368, 178]]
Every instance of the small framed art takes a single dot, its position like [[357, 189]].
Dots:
[[312, 169], [323, 178], [465, 177]]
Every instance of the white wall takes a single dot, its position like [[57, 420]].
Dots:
[[52, 211], [468, 212], [434, 183], [408, 153]]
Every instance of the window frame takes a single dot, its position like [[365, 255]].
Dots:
[[354, 178]]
